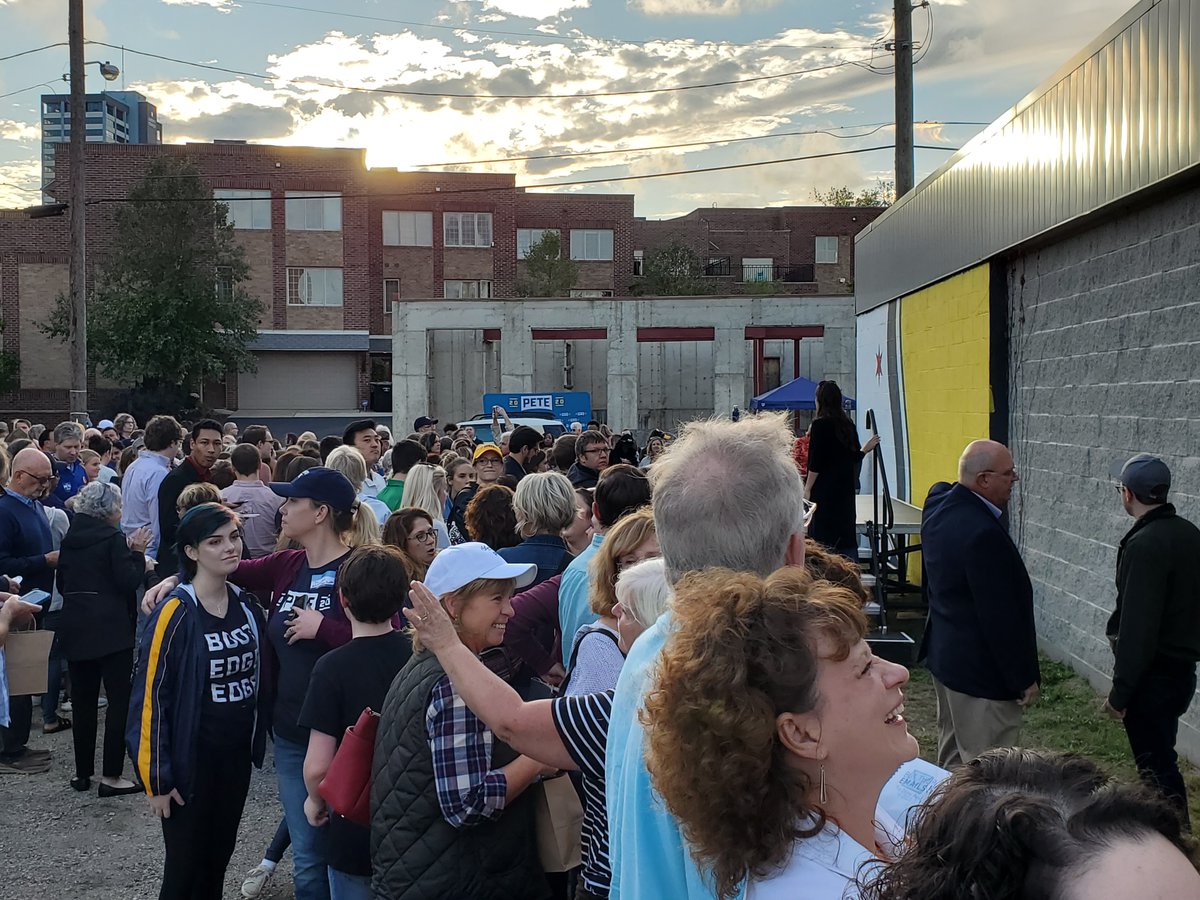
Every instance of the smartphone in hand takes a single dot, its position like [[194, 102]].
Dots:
[[37, 599]]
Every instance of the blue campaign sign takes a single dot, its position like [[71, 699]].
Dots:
[[566, 406]]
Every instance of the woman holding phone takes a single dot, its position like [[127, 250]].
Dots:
[[199, 716]]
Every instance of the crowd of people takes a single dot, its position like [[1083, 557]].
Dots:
[[520, 624]]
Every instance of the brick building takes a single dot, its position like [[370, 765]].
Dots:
[[332, 246], [793, 249]]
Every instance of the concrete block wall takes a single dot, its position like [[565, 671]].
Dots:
[[1105, 362]]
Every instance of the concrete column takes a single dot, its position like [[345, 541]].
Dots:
[[622, 362], [516, 351], [729, 370], [410, 368]]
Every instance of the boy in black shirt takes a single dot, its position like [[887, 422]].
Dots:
[[373, 587]]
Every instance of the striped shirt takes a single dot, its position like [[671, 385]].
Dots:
[[582, 723]]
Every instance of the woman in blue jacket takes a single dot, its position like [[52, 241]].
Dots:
[[198, 717]]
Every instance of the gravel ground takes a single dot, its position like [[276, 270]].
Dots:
[[57, 842]]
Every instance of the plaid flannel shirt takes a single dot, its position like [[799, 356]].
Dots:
[[469, 790]]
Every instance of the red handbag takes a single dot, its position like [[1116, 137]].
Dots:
[[346, 787]]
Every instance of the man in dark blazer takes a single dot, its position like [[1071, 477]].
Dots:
[[980, 641]]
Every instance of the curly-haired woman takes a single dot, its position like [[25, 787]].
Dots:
[[771, 745], [1028, 824], [491, 518]]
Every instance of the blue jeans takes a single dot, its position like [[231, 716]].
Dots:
[[343, 886], [309, 879]]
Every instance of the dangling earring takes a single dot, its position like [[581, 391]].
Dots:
[[824, 795]]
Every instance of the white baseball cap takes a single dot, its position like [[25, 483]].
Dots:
[[461, 564]]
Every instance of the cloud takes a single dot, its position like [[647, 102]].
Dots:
[[20, 184], [221, 5], [50, 19], [11, 130], [700, 7], [521, 9], [535, 9]]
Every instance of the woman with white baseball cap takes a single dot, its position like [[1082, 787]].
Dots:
[[450, 816]]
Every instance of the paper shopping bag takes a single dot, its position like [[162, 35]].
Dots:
[[26, 654], [559, 823]]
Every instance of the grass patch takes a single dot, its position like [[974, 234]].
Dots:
[[1067, 717]]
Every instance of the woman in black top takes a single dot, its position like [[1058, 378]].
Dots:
[[834, 456], [99, 572]]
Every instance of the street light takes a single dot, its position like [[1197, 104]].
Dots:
[[107, 70]]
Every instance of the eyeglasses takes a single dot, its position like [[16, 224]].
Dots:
[[603, 451], [424, 537], [1008, 473], [40, 479]]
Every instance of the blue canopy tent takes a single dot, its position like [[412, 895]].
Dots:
[[798, 394]]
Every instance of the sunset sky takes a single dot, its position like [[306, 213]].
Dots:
[[983, 56]]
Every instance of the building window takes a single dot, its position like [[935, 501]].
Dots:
[[527, 237], [758, 269], [467, 229], [466, 290], [717, 266], [408, 229], [391, 293], [592, 244], [314, 287], [314, 210], [225, 283], [590, 292], [639, 262], [250, 210], [827, 249]]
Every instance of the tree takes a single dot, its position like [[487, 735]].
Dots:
[[10, 368], [168, 309], [882, 194], [548, 273], [673, 271]]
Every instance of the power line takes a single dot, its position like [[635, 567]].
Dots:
[[30, 88], [540, 34], [832, 132], [34, 50], [402, 93], [874, 129], [551, 184]]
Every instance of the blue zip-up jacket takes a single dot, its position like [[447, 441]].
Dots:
[[163, 732]]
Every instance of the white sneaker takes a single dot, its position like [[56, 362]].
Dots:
[[65, 706], [256, 879]]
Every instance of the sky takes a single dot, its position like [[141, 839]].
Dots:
[[809, 78]]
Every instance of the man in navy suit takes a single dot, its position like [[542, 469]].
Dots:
[[980, 639]]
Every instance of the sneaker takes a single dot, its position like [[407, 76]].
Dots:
[[256, 880], [65, 706], [25, 765]]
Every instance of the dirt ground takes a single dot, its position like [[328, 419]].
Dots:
[[57, 842]]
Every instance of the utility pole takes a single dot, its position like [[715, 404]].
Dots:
[[77, 332], [904, 98]]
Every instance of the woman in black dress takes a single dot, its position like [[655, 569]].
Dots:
[[834, 456]]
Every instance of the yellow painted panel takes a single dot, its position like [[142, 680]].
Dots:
[[947, 395]]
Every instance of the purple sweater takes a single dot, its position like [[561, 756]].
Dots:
[[532, 632]]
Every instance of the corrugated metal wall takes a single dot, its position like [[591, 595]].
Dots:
[[1122, 115]]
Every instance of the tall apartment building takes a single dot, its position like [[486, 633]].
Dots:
[[112, 117], [332, 246]]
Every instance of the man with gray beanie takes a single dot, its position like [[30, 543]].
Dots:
[[1155, 629]]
